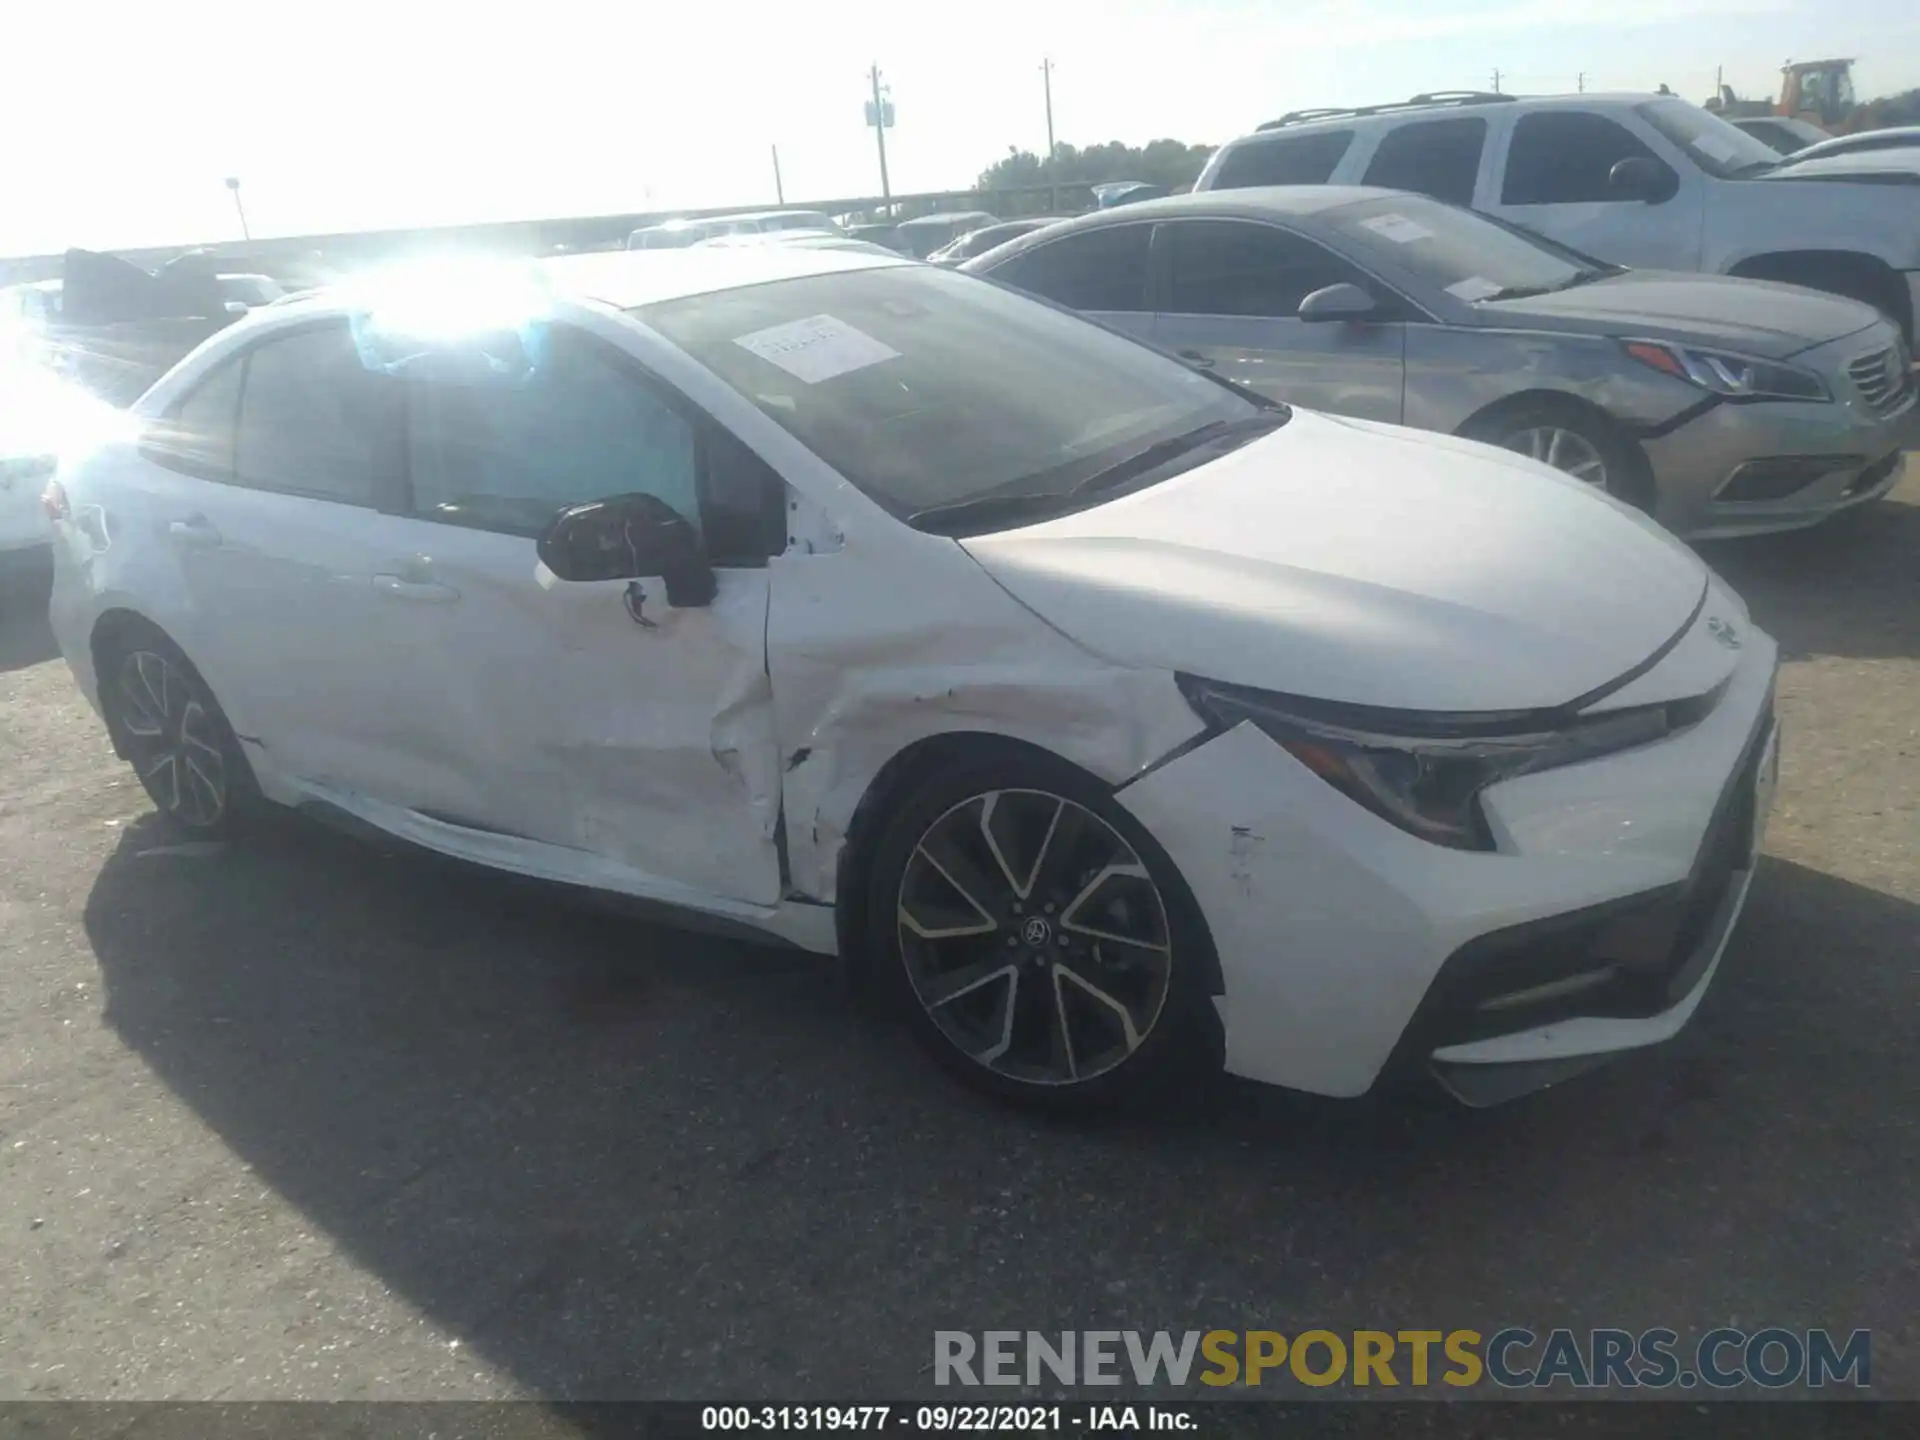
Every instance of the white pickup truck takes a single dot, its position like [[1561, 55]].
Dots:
[[1648, 181]]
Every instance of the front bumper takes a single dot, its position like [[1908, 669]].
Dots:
[[1338, 934], [1751, 469]]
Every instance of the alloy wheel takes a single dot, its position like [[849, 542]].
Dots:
[[1034, 937], [173, 739], [1563, 449]]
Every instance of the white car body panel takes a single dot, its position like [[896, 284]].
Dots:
[[1290, 873], [23, 524], [1307, 524], [447, 691]]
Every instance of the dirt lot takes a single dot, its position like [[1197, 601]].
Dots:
[[317, 1120]]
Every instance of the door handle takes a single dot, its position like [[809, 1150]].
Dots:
[[1197, 360], [196, 532], [431, 592]]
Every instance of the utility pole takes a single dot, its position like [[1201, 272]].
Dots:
[[233, 184], [1053, 176], [1496, 82], [1583, 82], [779, 193], [879, 115]]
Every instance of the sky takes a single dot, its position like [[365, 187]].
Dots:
[[355, 115]]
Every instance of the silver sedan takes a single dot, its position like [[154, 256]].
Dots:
[[1724, 407]]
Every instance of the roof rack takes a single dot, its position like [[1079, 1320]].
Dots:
[[1427, 100]]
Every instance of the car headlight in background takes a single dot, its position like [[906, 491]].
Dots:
[[1738, 377], [1424, 773]]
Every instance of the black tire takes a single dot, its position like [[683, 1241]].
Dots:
[[1108, 1058], [1626, 474], [165, 720]]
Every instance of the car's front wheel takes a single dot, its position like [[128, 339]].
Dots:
[[1038, 940], [1572, 440], [174, 734]]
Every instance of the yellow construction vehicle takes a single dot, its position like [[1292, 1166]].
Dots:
[[1821, 91]]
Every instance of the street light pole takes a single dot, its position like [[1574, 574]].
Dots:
[[880, 138], [779, 191], [233, 184], [1053, 176]]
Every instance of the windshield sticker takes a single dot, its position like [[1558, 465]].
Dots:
[[1474, 287], [1398, 229], [1716, 147], [817, 348]]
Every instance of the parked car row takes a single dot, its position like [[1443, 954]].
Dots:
[[1724, 407], [1113, 719], [1641, 180]]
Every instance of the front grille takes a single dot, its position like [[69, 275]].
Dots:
[[1884, 379]]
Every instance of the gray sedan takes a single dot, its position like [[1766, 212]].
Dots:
[[1724, 407]]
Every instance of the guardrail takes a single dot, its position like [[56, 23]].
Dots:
[[300, 258]]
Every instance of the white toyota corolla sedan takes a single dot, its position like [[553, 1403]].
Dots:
[[1111, 719]]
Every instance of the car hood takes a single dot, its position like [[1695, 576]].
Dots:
[[1900, 162], [1349, 561], [1754, 317]]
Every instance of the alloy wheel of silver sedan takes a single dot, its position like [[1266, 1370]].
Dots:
[[172, 736], [1563, 449], [1034, 937]]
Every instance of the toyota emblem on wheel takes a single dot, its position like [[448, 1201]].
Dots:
[[1724, 632]]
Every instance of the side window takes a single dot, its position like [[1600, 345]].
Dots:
[[195, 436], [1563, 157], [1102, 269], [583, 428], [1289, 160], [1440, 158], [314, 421], [1234, 267]]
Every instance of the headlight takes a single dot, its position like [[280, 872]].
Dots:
[[1424, 773], [1739, 377]]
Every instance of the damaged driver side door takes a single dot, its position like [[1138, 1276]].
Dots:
[[595, 717]]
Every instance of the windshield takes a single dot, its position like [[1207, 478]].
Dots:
[[1455, 250], [1715, 146], [927, 388]]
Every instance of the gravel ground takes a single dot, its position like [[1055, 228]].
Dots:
[[322, 1119]]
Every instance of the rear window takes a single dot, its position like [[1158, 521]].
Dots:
[[1284, 160]]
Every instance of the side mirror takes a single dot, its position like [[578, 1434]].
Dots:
[[1344, 301], [1638, 178], [630, 537]]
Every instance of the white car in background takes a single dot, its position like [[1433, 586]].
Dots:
[[1110, 718], [40, 414]]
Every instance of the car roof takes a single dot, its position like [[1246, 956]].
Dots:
[[1422, 108], [946, 217], [629, 278], [623, 279], [1891, 137], [1251, 201]]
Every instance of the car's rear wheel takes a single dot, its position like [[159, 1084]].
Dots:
[[174, 734], [1039, 942]]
